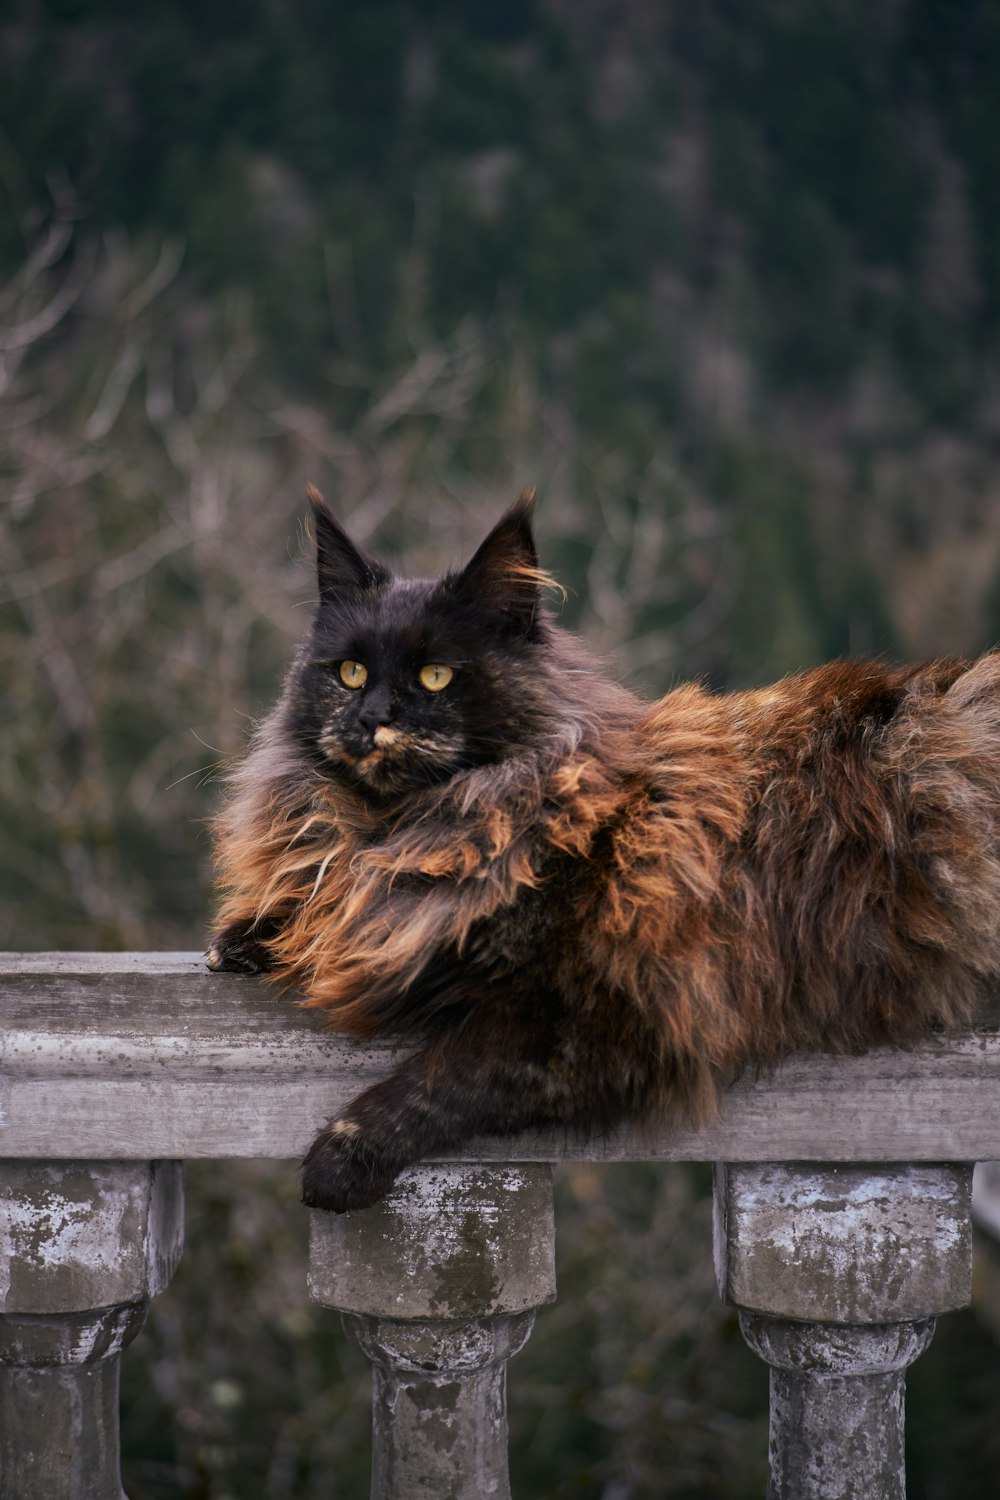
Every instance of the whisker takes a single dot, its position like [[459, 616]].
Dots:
[[226, 754], [214, 765]]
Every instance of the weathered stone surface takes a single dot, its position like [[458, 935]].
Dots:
[[438, 1284], [135, 1056], [439, 1405], [79, 1235], [844, 1244], [59, 1432], [838, 1272], [448, 1242], [836, 1430], [145, 1055], [77, 1338], [83, 1246]]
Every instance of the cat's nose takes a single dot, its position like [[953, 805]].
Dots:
[[376, 709]]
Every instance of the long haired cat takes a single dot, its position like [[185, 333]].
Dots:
[[582, 908]]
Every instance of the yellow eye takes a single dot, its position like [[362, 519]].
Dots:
[[353, 674], [435, 677]]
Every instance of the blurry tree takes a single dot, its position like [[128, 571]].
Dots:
[[723, 281]]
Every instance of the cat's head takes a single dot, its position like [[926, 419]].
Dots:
[[403, 682]]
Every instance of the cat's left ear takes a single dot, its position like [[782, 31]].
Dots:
[[341, 567], [504, 573]]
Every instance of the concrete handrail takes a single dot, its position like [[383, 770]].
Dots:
[[843, 1224], [146, 1055]]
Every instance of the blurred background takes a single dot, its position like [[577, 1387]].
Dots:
[[723, 281]]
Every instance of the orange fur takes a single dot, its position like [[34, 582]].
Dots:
[[751, 875], [622, 915]]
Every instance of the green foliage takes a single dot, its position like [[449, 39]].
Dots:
[[723, 281], [548, 176]]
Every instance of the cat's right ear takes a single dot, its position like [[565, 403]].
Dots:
[[341, 567], [504, 573]]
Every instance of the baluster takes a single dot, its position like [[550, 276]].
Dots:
[[839, 1273], [438, 1285], [83, 1247]]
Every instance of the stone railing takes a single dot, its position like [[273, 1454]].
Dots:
[[843, 1225]]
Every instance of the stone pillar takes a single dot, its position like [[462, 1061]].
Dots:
[[439, 1284], [839, 1273], [83, 1247]]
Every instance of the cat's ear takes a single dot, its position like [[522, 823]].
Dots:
[[504, 573], [341, 567]]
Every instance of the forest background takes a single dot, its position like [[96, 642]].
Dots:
[[722, 280]]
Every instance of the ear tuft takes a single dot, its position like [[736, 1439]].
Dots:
[[524, 505], [504, 574], [341, 567]]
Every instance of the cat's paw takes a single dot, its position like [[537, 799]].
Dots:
[[236, 950], [341, 1172]]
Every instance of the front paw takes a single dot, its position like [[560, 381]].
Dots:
[[341, 1172], [237, 949]]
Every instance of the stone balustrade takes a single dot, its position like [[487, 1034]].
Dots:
[[843, 1225]]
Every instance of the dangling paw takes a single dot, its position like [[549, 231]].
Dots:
[[341, 1172]]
